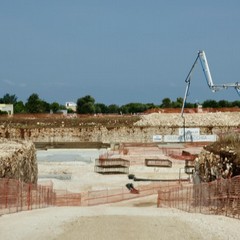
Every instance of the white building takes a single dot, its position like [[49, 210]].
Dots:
[[6, 108], [71, 105]]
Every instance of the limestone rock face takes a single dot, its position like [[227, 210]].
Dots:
[[213, 164], [191, 120], [118, 129], [18, 160]]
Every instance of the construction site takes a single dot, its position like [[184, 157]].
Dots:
[[94, 179], [93, 185], [90, 180]]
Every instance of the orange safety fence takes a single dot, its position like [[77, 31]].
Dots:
[[66, 198], [106, 196], [221, 197], [18, 196]]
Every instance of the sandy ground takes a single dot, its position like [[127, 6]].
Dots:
[[133, 219], [73, 169]]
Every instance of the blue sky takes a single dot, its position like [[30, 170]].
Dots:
[[117, 51]]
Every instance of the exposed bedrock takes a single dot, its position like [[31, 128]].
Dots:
[[18, 160], [141, 131]]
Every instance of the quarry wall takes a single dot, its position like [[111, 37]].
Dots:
[[142, 131], [100, 134]]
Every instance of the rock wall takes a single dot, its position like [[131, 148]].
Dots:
[[210, 166], [141, 131], [98, 134], [18, 160], [217, 119]]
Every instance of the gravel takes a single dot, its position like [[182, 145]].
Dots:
[[191, 120]]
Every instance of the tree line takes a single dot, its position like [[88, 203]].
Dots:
[[87, 105]]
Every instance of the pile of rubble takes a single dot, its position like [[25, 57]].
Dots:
[[212, 164], [18, 160], [191, 119]]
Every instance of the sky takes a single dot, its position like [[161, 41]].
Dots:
[[117, 51]]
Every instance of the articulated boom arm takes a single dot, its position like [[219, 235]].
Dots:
[[206, 70], [203, 59]]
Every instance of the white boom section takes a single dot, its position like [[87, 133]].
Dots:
[[205, 67], [204, 63]]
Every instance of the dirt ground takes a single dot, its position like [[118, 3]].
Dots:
[[138, 218], [133, 219], [77, 174]]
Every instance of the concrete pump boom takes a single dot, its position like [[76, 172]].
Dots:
[[203, 59]]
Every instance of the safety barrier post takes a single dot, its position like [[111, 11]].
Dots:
[[5, 192], [38, 195], [18, 191], [158, 199], [29, 197], [189, 198], [46, 200]]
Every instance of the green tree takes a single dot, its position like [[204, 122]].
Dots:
[[3, 112], [69, 110], [45, 107], [19, 107], [55, 107], [101, 108], [210, 104], [86, 105], [124, 109], [136, 107], [189, 105], [178, 103], [62, 107], [113, 108], [223, 103], [151, 106], [8, 99], [235, 104], [88, 108], [35, 105], [166, 103]]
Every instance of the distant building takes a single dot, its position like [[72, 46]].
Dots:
[[199, 108], [6, 108], [71, 105]]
